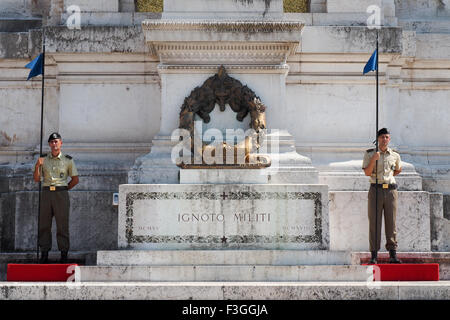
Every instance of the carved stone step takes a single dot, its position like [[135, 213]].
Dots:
[[222, 257], [222, 273]]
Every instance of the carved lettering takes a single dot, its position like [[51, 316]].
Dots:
[[147, 228], [213, 217], [200, 217], [298, 228], [252, 217]]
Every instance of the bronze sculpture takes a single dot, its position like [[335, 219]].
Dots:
[[223, 89]]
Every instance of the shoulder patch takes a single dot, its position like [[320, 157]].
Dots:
[[68, 157], [370, 150]]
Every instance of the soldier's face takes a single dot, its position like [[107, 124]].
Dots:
[[383, 140], [55, 146]]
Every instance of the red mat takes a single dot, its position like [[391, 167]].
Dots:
[[406, 272], [40, 272]]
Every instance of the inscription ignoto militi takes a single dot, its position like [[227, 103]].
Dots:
[[212, 217]]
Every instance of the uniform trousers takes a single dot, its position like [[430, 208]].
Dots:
[[387, 203], [57, 204]]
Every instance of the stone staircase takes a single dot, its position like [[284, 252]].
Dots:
[[230, 275], [222, 265]]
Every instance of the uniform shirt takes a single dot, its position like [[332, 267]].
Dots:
[[56, 170], [388, 162]]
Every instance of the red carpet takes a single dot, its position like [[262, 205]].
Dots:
[[406, 272], [40, 272], [61, 272]]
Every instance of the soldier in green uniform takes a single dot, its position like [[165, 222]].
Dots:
[[54, 169], [383, 183]]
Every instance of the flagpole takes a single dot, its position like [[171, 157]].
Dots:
[[41, 136], [377, 92], [376, 150]]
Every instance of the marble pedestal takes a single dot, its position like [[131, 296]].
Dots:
[[223, 216]]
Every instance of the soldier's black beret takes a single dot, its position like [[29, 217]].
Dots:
[[383, 131], [53, 136]]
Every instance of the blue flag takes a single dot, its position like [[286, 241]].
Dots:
[[372, 63], [36, 66]]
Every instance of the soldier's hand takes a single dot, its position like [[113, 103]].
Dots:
[[40, 162], [376, 156]]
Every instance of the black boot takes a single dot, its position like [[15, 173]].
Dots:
[[393, 257], [63, 257], [44, 257], [373, 259]]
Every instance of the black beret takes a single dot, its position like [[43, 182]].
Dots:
[[53, 136], [383, 131]]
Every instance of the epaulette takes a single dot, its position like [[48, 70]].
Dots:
[[68, 157], [370, 150]]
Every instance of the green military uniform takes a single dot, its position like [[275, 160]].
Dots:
[[387, 198], [55, 200]]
